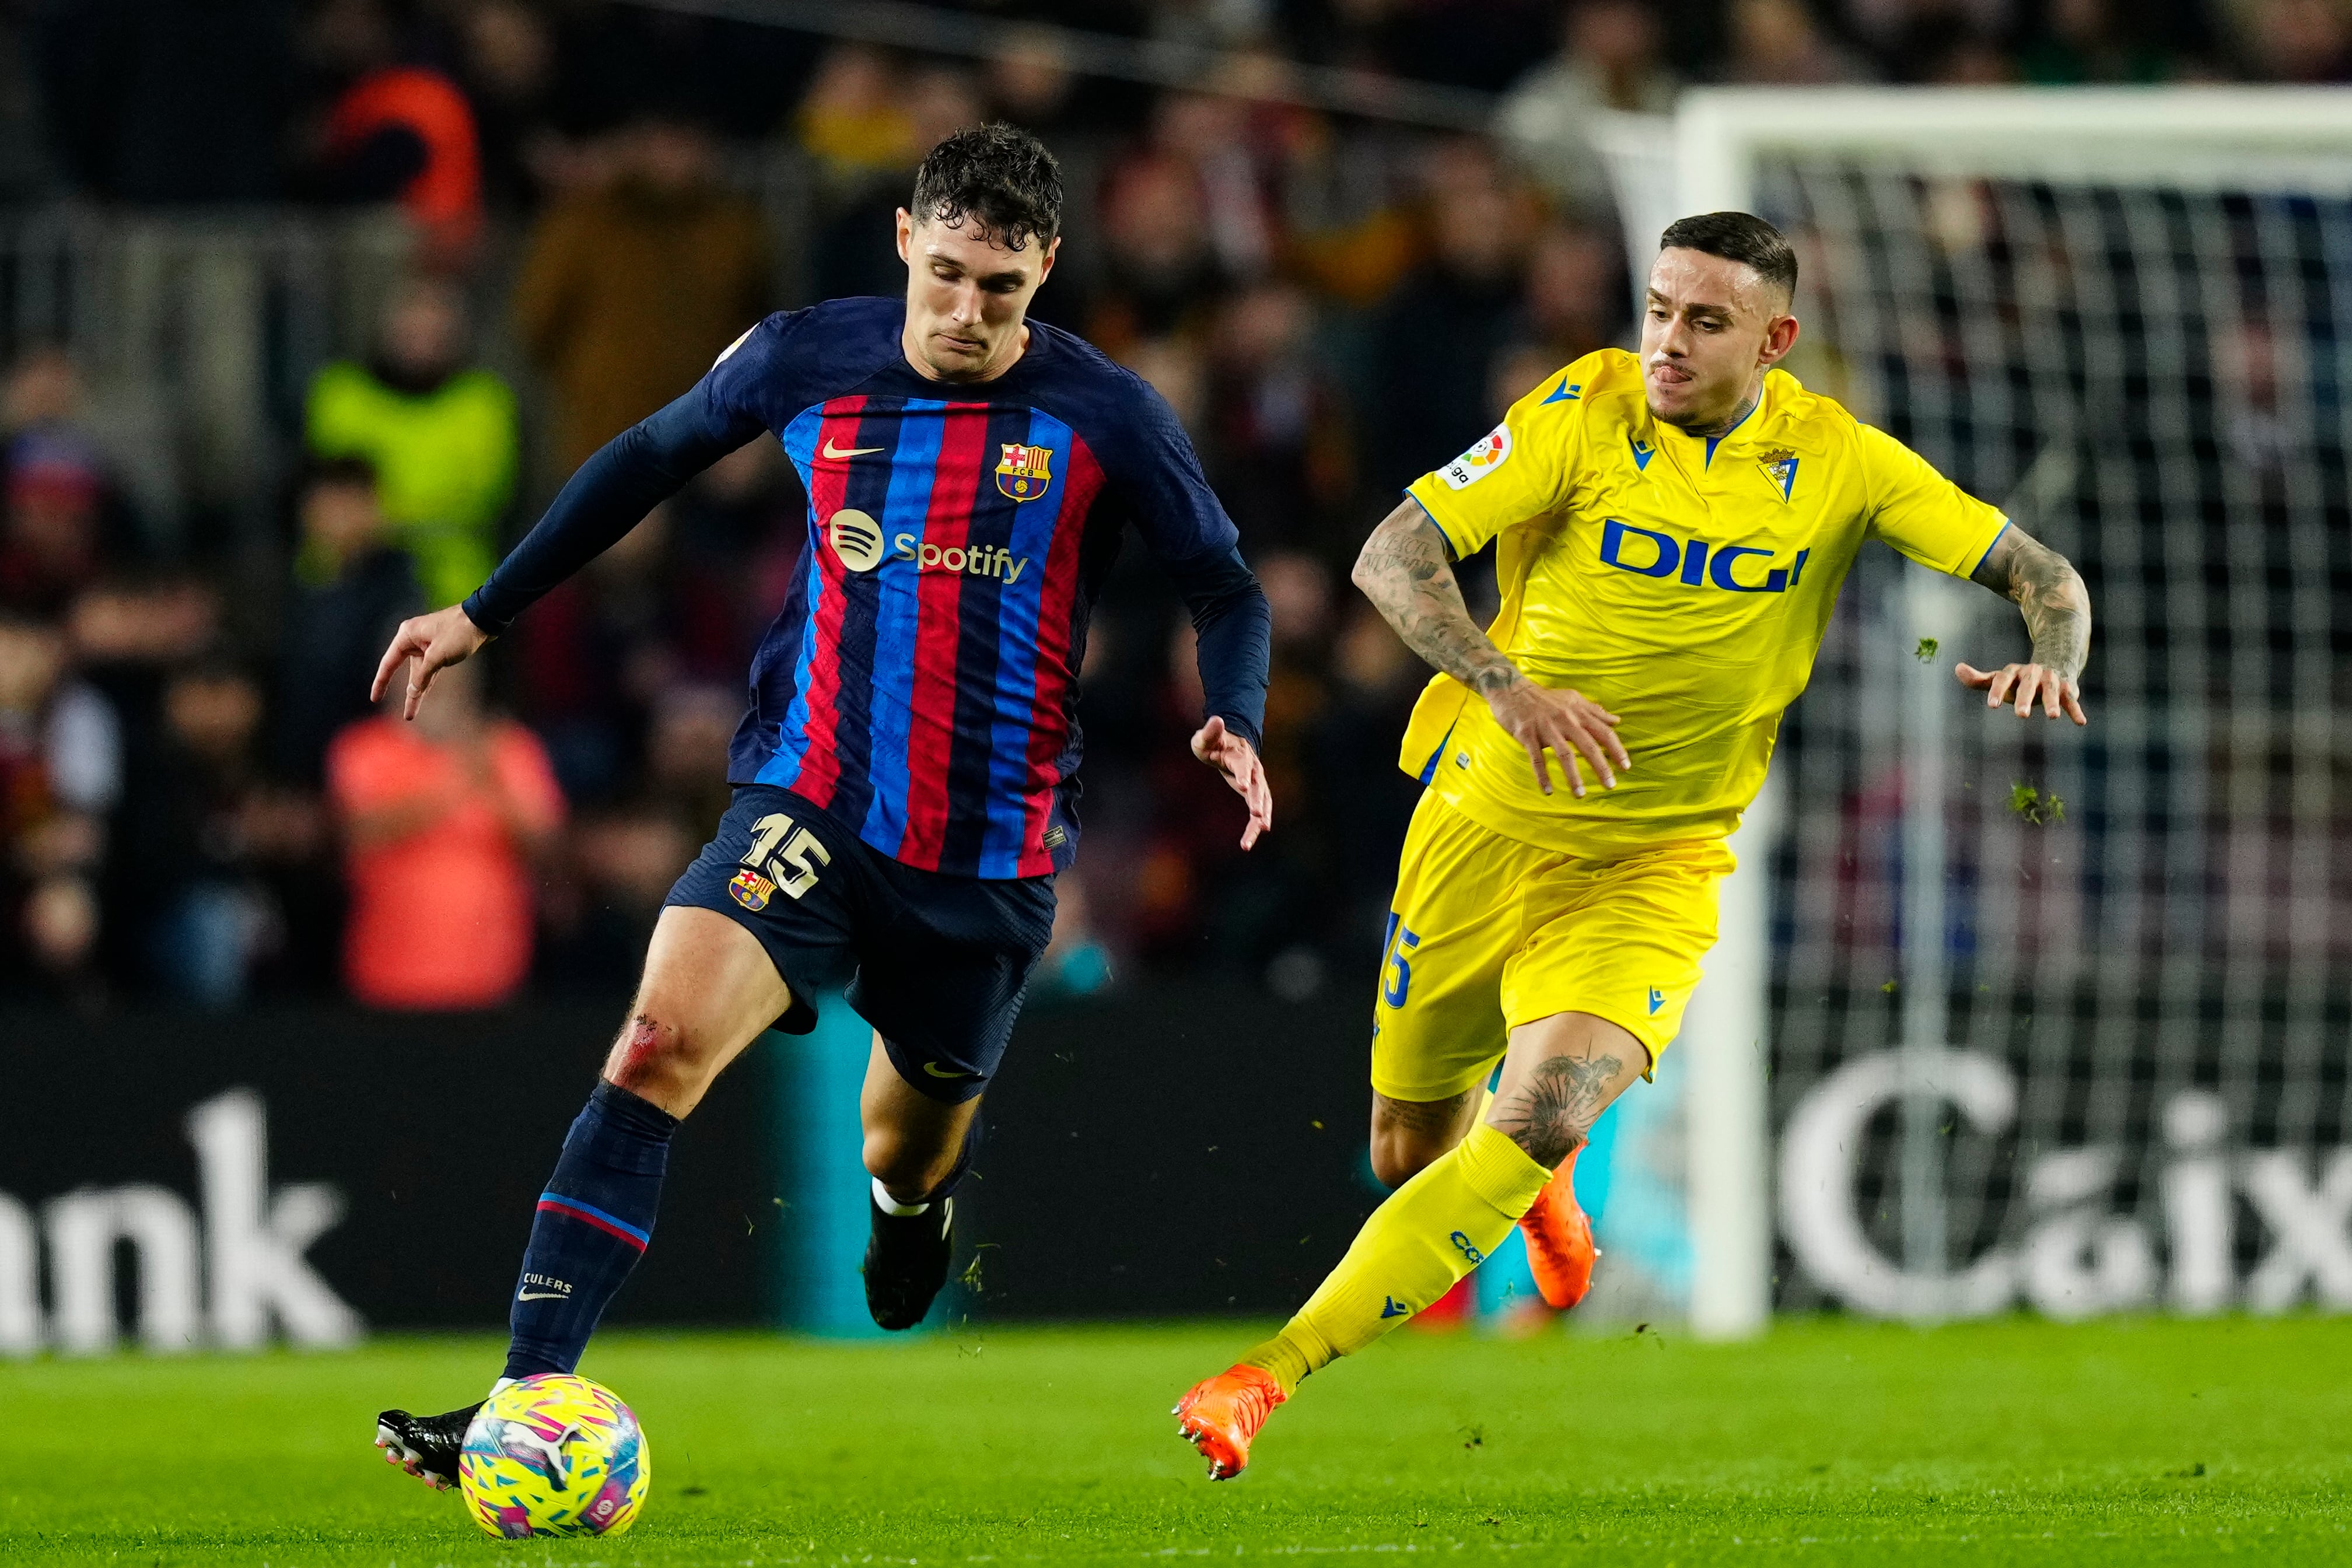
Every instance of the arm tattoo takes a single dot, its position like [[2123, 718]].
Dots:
[[2050, 594], [1404, 572], [1550, 1114]]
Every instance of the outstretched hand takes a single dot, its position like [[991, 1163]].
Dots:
[[1569, 725], [2026, 684], [436, 642], [1238, 761]]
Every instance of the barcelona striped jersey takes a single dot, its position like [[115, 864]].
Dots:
[[920, 683]]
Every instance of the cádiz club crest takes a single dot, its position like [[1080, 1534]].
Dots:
[[1781, 467], [1024, 472]]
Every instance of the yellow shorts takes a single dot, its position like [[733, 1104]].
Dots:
[[1488, 933]]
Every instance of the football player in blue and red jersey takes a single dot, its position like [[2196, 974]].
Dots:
[[905, 774]]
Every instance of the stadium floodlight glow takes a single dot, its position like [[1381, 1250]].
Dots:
[[2119, 1012]]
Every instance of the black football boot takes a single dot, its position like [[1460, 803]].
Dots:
[[426, 1446], [906, 1261]]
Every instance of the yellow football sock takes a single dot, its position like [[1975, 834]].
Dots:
[[1429, 1233]]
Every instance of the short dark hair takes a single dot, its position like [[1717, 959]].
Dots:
[[999, 173], [1737, 237]]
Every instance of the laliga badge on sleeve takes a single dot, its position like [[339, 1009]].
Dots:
[[1479, 461]]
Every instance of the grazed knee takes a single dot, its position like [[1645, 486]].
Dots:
[[654, 1057]]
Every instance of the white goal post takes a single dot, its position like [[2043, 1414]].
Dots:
[[2117, 1073]]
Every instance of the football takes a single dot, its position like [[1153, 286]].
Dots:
[[554, 1454]]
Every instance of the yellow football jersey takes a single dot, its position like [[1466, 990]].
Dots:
[[1682, 582]]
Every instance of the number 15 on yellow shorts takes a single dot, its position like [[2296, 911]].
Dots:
[[1488, 932]]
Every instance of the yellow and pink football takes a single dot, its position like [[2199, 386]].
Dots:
[[554, 1454]]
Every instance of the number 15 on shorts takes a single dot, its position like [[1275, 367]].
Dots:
[[781, 853]]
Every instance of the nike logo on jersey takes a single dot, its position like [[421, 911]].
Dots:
[[1392, 1308], [937, 1071], [541, 1295], [838, 453]]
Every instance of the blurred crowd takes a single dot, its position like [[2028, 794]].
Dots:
[[198, 800]]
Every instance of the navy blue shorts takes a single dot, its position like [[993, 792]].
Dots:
[[938, 965]]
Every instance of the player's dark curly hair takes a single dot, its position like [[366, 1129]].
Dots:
[[999, 173], [1737, 237]]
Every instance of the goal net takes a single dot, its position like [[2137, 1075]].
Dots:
[[2056, 1017]]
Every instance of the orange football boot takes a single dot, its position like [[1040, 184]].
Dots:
[[1560, 1252], [1223, 1413]]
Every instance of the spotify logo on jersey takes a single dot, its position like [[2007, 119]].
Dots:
[[857, 538]]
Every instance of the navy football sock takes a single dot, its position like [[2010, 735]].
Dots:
[[592, 1225]]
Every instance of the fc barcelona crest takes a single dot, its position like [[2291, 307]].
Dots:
[[1024, 472], [750, 889]]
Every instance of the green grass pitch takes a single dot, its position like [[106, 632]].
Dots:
[[2013, 1442]]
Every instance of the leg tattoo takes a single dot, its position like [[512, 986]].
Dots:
[[1550, 1114], [1428, 1118]]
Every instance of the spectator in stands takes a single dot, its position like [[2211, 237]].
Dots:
[[629, 291], [351, 589], [597, 652], [623, 856], [1265, 902], [743, 509], [2296, 40], [1366, 799], [203, 841], [1610, 59], [45, 414], [1299, 589], [60, 775], [1160, 268], [1576, 298], [1944, 49], [1178, 372], [507, 64], [49, 534], [687, 735], [2079, 41], [169, 101], [868, 160], [1029, 81], [397, 130], [1778, 43], [1213, 136], [442, 819], [1436, 338], [1276, 443], [441, 435]]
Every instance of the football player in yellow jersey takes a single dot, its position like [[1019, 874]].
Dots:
[[1672, 528]]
